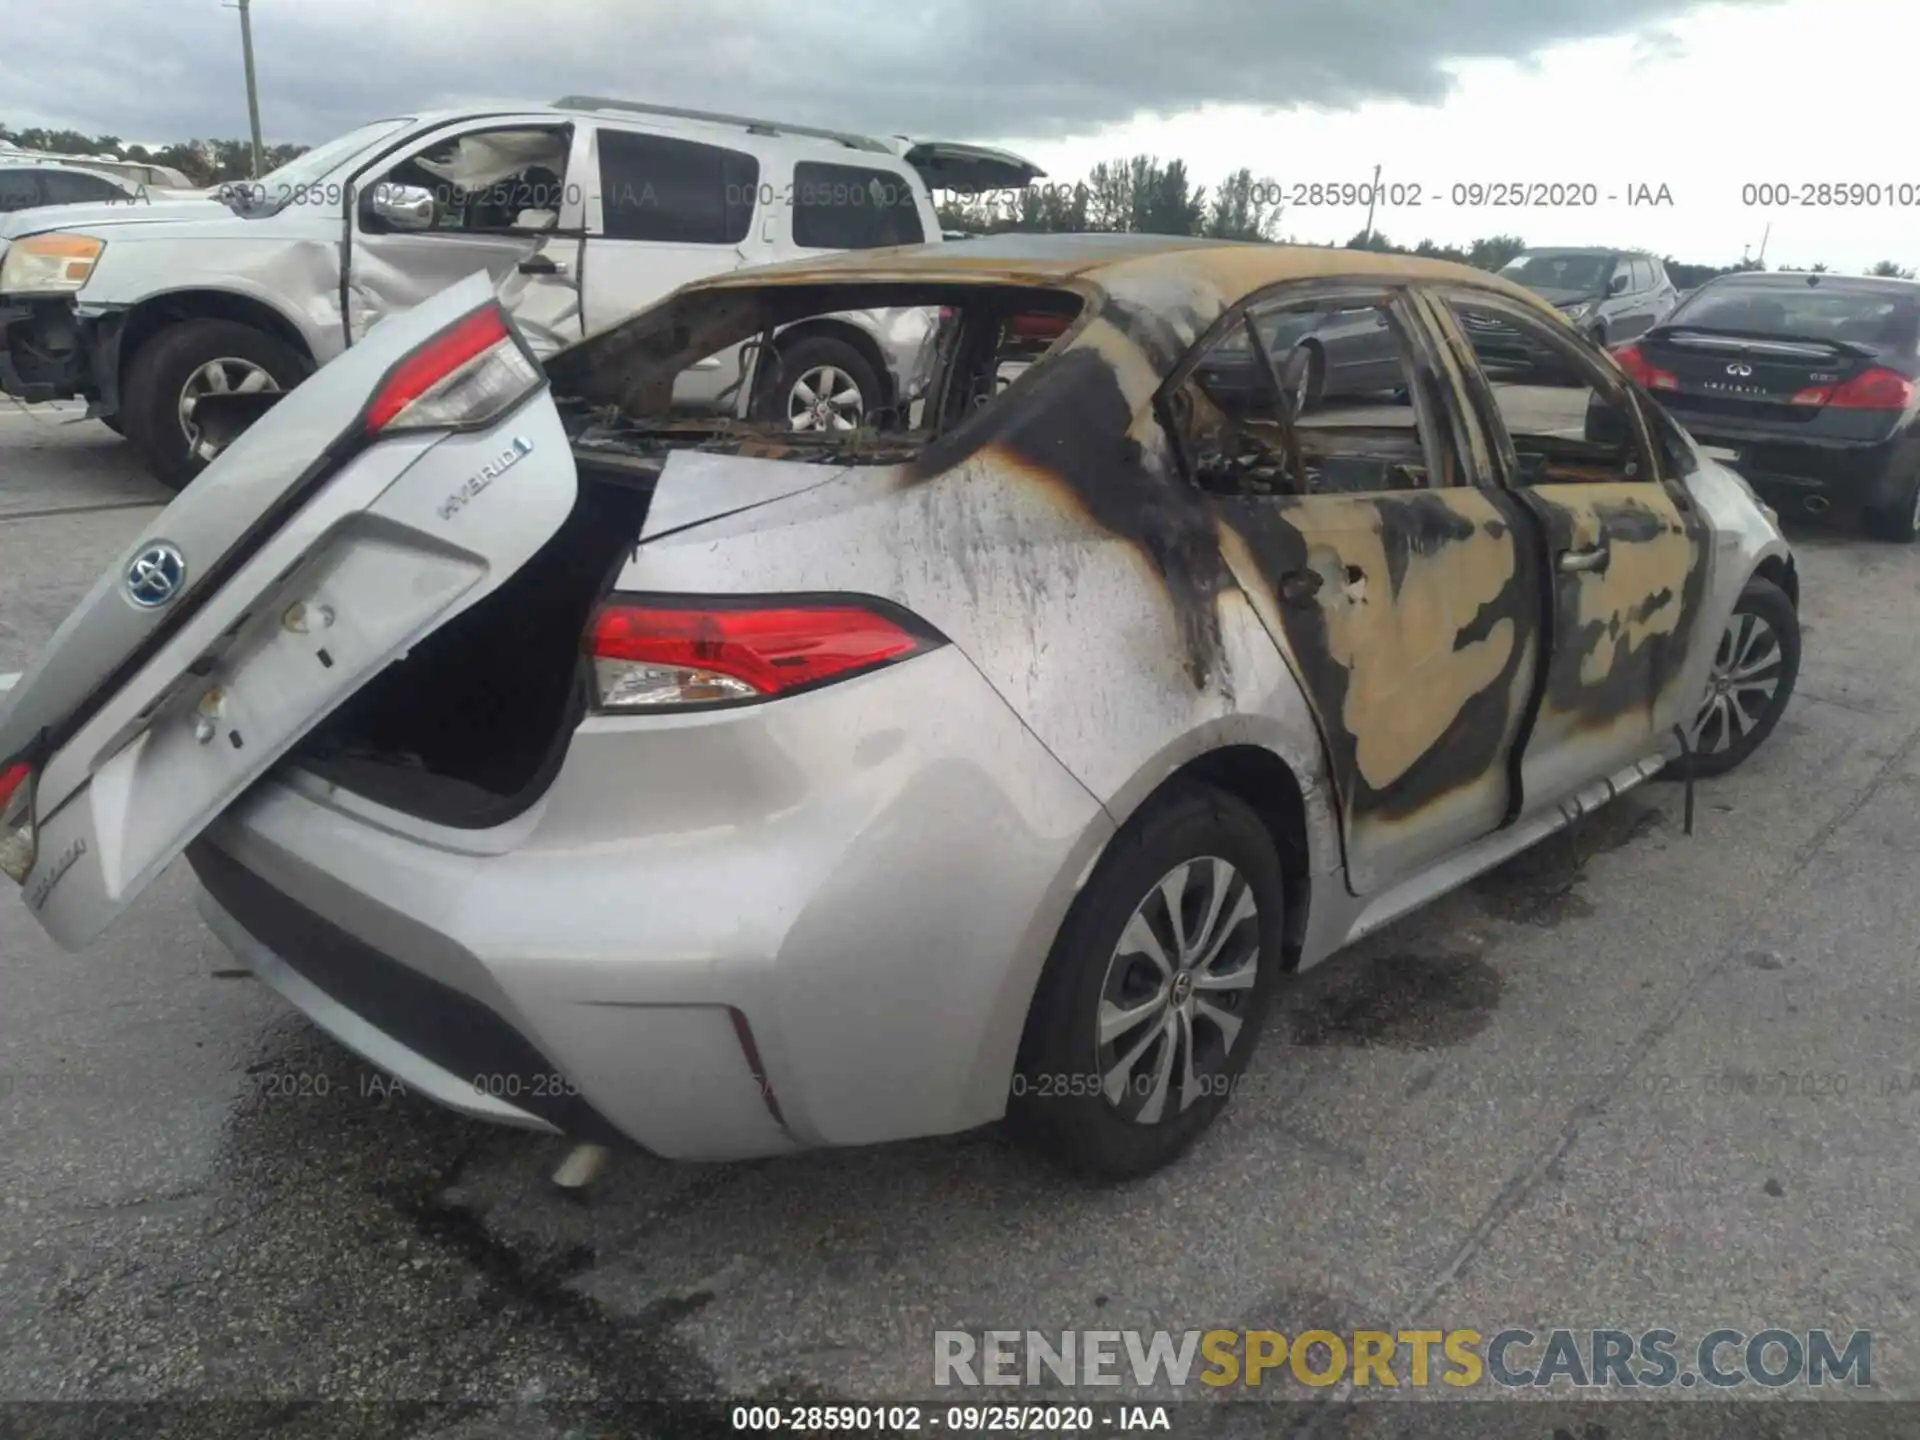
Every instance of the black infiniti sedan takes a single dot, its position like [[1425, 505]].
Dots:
[[1813, 381]]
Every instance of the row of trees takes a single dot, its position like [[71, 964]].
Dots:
[[1144, 195], [204, 162], [1139, 195]]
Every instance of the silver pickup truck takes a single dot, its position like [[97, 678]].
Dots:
[[580, 212]]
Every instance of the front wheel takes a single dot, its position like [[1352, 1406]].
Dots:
[[1153, 998], [180, 364], [1754, 668]]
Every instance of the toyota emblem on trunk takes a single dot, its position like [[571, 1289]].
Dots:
[[1738, 369], [156, 575]]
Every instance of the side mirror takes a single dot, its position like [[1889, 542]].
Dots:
[[404, 207], [1616, 285]]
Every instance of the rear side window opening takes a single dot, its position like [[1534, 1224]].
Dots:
[[957, 347]]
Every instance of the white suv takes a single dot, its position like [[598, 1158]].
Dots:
[[580, 213]]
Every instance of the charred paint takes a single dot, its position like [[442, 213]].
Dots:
[[1416, 647], [1071, 428], [1164, 337], [1620, 635]]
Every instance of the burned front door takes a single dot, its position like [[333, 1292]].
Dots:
[[1627, 553], [1397, 587]]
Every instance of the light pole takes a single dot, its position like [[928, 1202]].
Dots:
[[253, 95], [1372, 195]]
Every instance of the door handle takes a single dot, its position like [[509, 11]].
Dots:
[[542, 265], [1594, 559]]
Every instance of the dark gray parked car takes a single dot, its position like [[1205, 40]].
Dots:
[[1610, 296], [1344, 352], [28, 186]]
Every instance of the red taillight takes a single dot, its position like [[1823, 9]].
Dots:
[[1634, 361], [652, 654], [11, 779], [1037, 327], [18, 843], [467, 374], [1875, 389]]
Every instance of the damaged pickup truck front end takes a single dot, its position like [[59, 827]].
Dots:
[[51, 346]]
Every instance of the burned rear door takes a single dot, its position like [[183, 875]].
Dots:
[[1627, 551], [1398, 588]]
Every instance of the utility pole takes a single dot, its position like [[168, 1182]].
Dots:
[[1763, 244], [1372, 195], [253, 95]]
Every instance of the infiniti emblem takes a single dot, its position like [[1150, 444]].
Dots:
[[1738, 369], [156, 575]]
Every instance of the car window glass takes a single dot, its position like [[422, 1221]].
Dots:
[[653, 187], [65, 188], [19, 190], [1825, 312], [491, 180], [1283, 423], [1642, 276], [850, 207], [1562, 433], [1547, 270]]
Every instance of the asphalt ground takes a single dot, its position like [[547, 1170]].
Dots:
[[1632, 1079]]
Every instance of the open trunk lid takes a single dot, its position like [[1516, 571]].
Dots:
[[311, 554]]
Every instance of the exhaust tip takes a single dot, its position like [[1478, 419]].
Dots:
[[1818, 504]]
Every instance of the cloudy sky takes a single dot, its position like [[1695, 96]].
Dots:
[[1613, 94]]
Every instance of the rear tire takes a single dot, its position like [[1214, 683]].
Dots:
[[170, 362], [1755, 664], [1898, 523], [1211, 851]]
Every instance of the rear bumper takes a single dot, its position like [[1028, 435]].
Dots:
[[57, 350], [817, 922], [1845, 473]]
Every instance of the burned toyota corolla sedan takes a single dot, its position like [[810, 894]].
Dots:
[[728, 791]]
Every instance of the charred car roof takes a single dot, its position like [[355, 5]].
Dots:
[[1164, 291], [1233, 268]]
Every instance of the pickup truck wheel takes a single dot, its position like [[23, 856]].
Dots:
[[1152, 1001], [820, 384], [181, 363], [1754, 667]]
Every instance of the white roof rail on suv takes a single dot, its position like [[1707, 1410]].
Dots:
[[710, 117]]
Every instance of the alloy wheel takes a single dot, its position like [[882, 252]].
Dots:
[[1178, 986], [1747, 670], [229, 375], [825, 398]]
